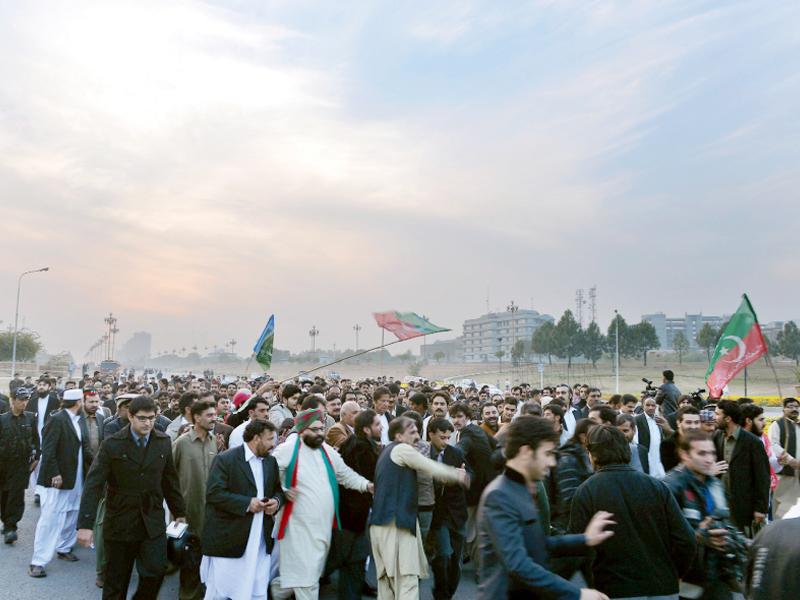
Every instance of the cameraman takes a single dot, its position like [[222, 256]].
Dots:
[[700, 495], [668, 394]]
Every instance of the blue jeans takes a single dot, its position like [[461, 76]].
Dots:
[[446, 563]]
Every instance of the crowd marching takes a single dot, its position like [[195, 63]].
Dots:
[[252, 489]]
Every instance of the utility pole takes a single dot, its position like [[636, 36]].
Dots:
[[313, 333], [500, 354], [16, 319], [111, 321], [334, 351], [357, 328], [513, 308], [616, 321], [233, 347]]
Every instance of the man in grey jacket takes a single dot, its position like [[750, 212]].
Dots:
[[668, 394]]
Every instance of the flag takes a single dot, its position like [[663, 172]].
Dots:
[[406, 325], [263, 349], [739, 345]]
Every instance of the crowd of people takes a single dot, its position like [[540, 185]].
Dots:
[[278, 486]]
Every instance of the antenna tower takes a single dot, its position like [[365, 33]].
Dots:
[[579, 302], [593, 302]]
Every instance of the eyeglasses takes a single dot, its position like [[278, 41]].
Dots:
[[316, 429], [145, 419]]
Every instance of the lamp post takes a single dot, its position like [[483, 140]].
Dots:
[[313, 333], [16, 318], [357, 328], [616, 358], [513, 308], [500, 354]]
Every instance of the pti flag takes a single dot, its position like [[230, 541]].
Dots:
[[263, 349], [406, 325], [739, 345]]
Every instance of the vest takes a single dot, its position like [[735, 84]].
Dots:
[[397, 499], [790, 447]]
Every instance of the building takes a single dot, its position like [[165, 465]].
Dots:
[[690, 325], [136, 351], [453, 350], [485, 336], [771, 330]]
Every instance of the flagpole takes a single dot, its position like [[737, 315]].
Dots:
[[252, 354], [344, 359], [769, 360], [383, 334]]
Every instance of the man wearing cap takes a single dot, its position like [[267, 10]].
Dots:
[[19, 454], [309, 471], [15, 383], [66, 458]]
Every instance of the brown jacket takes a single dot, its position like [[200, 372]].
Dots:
[[338, 434], [489, 431]]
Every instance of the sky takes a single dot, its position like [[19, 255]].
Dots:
[[194, 167]]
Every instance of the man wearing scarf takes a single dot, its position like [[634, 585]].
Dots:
[[310, 471]]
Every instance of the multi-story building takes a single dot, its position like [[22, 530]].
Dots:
[[453, 350], [136, 350], [485, 336], [690, 325]]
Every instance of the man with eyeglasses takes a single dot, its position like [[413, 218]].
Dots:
[[138, 467]]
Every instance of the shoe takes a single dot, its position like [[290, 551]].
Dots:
[[67, 556], [35, 571], [36, 500], [99, 582], [10, 537]]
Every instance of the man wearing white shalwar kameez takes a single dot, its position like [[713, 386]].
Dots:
[[307, 521], [225, 575]]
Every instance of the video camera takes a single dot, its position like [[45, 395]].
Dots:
[[697, 398], [650, 391], [732, 558]]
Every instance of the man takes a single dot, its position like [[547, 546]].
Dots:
[[419, 404], [672, 418], [699, 496], [397, 544], [783, 435], [555, 413], [515, 548], [440, 400], [628, 404], [337, 434], [650, 433], [746, 477], [310, 469], [477, 449], [708, 420], [381, 399], [490, 417], [687, 418], [286, 408], [509, 409], [221, 432], [19, 454], [93, 417], [572, 412], [257, 408], [350, 546], [333, 406], [449, 522], [66, 458], [184, 412], [602, 414], [394, 409], [594, 398], [43, 403], [773, 568], [15, 382], [173, 412], [627, 425], [136, 464], [243, 494], [193, 453], [668, 394], [649, 527]]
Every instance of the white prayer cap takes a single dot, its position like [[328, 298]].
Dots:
[[73, 395]]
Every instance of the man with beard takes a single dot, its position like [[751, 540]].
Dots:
[[311, 471], [490, 418], [257, 408], [43, 403], [108, 397], [753, 421], [783, 435], [440, 400], [286, 408], [350, 546]]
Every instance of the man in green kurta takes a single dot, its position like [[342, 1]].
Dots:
[[194, 452]]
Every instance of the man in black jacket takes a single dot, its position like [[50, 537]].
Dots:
[[43, 403], [687, 418], [19, 454], [350, 546], [650, 529], [243, 494], [747, 477], [137, 465], [66, 458], [449, 521], [668, 394]]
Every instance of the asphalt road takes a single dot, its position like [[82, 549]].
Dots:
[[75, 581]]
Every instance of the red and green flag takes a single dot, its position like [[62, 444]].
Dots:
[[406, 326], [741, 344]]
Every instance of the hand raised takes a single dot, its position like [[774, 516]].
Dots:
[[596, 532]]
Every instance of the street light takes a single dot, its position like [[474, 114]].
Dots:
[[16, 318], [616, 321], [313, 333]]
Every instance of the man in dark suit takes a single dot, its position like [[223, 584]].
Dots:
[[515, 549], [449, 521], [43, 403], [747, 478], [477, 449], [66, 458], [639, 461], [137, 465], [243, 494], [651, 429]]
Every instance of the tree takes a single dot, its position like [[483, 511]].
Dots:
[[439, 356], [28, 345], [789, 342], [681, 345], [415, 368], [540, 340], [566, 337], [518, 352], [772, 350], [643, 339], [594, 343], [707, 339], [720, 331], [405, 356], [625, 348]]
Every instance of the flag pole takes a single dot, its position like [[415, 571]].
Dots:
[[249, 360], [383, 334], [769, 360]]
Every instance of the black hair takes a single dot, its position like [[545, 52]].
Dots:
[[789, 400], [626, 418], [731, 409], [442, 394], [419, 399], [607, 414], [393, 388], [141, 404], [686, 410], [257, 427], [460, 407], [668, 375], [364, 419], [582, 426], [528, 431], [290, 390], [751, 411], [557, 411], [416, 417], [439, 424], [380, 392], [201, 406], [313, 401], [628, 398], [531, 407], [186, 401], [693, 435], [399, 425], [608, 446]]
